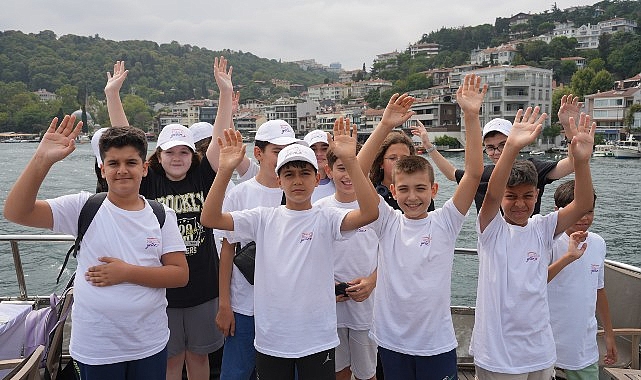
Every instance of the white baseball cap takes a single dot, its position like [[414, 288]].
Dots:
[[296, 152], [201, 130], [175, 134], [95, 144], [500, 125], [316, 136], [277, 132]]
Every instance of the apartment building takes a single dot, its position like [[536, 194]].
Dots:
[[609, 109], [513, 87], [45, 96], [362, 88], [588, 35], [500, 55], [424, 49], [327, 91]]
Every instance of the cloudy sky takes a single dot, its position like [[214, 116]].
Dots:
[[351, 32]]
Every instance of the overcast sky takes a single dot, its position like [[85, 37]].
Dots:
[[351, 32]]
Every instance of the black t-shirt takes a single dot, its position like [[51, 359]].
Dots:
[[542, 167], [187, 197]]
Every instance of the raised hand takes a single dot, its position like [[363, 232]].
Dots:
[[397, 111], [232, 150], [115, 81], [343, 144], [58, 142], [570, 107], [583, 141], [235, 102], [527, 126], [420, 131], [577, 245], [222, 75], [469, 95]]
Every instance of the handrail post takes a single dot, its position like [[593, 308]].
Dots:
[[17, 263]]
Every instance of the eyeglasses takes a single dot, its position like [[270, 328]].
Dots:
[[489, 149]]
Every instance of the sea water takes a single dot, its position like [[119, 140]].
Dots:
[[617, 217]]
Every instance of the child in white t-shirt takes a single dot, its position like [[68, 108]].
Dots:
[[294, 303], [512, 334], [576, 294], [125, 261], [412, 321], [317, 140], [355, 261]]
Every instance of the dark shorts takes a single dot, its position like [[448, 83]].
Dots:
[[194, 329], [150, 368], [398, 366], [318, 366]]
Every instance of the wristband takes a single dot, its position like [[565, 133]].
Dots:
[[430, 150]]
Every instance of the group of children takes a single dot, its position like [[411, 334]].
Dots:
[[346, 266]]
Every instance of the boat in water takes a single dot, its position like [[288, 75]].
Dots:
[[603, 150], [623, 284], [628, 148]]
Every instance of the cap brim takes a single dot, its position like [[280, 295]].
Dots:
[[171, 144], [286, 141]]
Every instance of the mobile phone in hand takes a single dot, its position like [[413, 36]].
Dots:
[[340, 289]]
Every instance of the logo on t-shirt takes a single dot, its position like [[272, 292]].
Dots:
[[426, 240], [532, 256], [361, 229], [306, 236], [152, 242], [594, 268]]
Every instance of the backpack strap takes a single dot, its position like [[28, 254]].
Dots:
[[87, 213], [159, 211]]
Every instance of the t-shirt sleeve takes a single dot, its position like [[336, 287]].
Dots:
[[65, 211], [246, 224], [543, 167], [335, 216], [250, 173], [385, 212], [172, 240]]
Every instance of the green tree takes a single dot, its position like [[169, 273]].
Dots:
[[137, 111], [602, 81], [446, 140], [557, 94], [581, 81]]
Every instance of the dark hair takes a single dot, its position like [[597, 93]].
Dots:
[[298, 164], [492, 134], [119, 137], [202, 146], [523, 172], [260, 144], [413, 164], [564, 194], [101, 183], [331, 157], [394, 137], [156, 166]]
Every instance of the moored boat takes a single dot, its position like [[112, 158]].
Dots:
[[603, 150], [629, 148]]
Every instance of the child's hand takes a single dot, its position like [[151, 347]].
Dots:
[[113, 272], [114, 83], [232, 150], [583, 141], [58, 143], [360, 289], [225, 321], [397, 111], [343, 144], [468, 96], [420, 131], [527, 126], [577, 245], [235, 102], [223, 77], [570, 107]]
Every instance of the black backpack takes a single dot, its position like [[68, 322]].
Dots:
[[87, 213]]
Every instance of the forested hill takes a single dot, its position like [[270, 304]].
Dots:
[[158, 72]]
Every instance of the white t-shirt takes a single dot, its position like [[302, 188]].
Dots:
[[121, 322], [246, 195], [294, 303], [324, 189], [412, 303], [353, 258], [512, 332], [572, 301]]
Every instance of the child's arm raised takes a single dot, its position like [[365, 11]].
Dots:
[[580, 151], [441, 162], [574, 252], [396, 113], [527, 126], [232, 152], [21, 205], [570, 108], [173, 273], [343, 144], [470, 98], [224, 113], [115, 110]]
